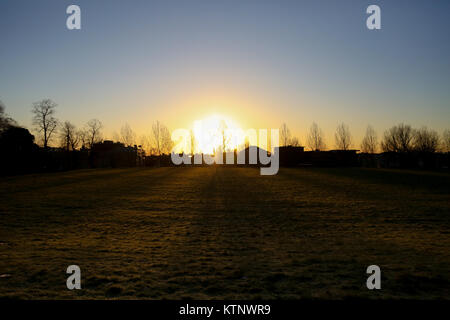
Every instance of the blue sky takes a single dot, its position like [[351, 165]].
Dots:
[[260, 62]]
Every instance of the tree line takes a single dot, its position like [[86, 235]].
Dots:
[[19, 148], [59, 145], [64, 134], [401, 138]]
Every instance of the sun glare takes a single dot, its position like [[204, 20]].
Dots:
[[217, 133]]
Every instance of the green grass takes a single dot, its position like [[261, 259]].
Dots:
[[225, 232]]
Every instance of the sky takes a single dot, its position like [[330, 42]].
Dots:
[[259, 62]]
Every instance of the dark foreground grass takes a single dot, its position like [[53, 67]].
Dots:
[[223, 232]]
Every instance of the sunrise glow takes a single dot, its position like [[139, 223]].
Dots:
[[217, 132]]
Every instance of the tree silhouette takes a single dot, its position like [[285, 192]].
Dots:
[[398, 139], [166, 140], [82, 137], [5, 121], [315, 139], [16, 139], [156, 131], [161, 138], [446, 140], [369, 142], [68, 136], [145, 142], [294, 142], [127, 135], [193, 142], [93, 132], [44, 120], [343, 137], [285, 135], [426, 140], [223, 133]]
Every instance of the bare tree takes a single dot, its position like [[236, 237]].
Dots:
[[369, 142], [315, 138], [93, 132], [44, 120], [166, 140], [223, 132], [398, 139], [82, 137], [146, 142], [446, 140], [294, 142], [343, 138], [161, 138], [127, 135], [116, 136], [426, 140], [285, 135], [68, 136], [193, 142], [156, 132]]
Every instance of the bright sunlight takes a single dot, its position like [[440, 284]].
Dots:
[[215, 133]]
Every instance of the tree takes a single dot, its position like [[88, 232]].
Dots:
[[166, 140], [285, 135], [342, 137], [193, 141], [286, 138], [127, 135], [294, 142], [146, 143], [161, 138], [156, 132], [446, 140], [44, 120], [82, 137], [398, 139], [223, 133], [426, 140], [315, 139], [369, 142], [5, 121], [17, 146], [93, 132], [17, 139], [68, 136]]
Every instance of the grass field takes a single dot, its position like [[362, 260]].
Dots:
[[225, 232]]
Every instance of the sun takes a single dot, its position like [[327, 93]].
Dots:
[[217, 133]]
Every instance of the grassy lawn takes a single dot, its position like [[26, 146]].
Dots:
[[225, 232]]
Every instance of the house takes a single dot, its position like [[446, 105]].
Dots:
[[291, 156], [113, 154]]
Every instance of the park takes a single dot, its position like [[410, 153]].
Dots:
[[224, 232]]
